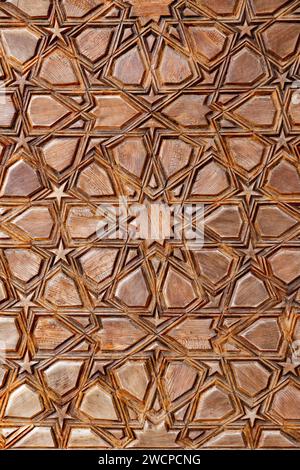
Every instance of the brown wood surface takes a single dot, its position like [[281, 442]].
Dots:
[[114, 344]]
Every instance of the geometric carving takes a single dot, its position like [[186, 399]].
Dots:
[[211, 180], [264, 334], [58, 69], [133, 289], [20, 180], [129, 69], [209, 42], [286, 401], [226, 221], [214, 265], [251, 377], [111, 342], [97, 403], [93, 42], [131, 155], [55, 111], [247, 152], [94, 181], [214, 404], [62, 376], [281, 50], [259, 111], [194, 333], [61, 290], [123, 113], [80, 222], [189, 110], [174, 154], [245, 68], [133, 378], [284, 179], [30, 222], [60, 152], [174, 297], [272, 221], [180, 379], [49, 333], [285, 264], [9, 333], [118, 334], [23, 264], [20, 44], [250, 291], [23, 402], [98, 264], [173, 67]]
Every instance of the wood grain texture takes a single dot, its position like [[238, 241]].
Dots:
[[114, 344]]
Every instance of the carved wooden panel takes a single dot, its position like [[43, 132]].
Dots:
[[121, 344]]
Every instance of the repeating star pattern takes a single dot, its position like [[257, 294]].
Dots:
[[129, 343]]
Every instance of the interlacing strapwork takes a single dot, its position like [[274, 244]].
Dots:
[[143, 342]]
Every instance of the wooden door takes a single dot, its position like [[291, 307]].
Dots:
[[111, 342]]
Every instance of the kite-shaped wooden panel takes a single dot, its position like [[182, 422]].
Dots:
[[127, 338]]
